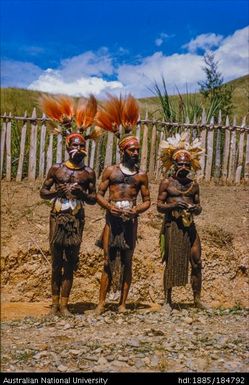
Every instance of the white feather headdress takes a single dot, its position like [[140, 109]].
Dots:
[[171, 146]]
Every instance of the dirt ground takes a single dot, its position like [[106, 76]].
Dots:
[[25, 258]]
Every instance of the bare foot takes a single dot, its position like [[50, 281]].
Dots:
[[54, 309], [122, 309], [65, 312], [99, 309], [166, 308], [199, 305]]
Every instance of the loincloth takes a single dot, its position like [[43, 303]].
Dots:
[[123, 233], [175, 243], [66, 229]]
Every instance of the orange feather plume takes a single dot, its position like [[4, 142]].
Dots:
[[60, 108], [51, 107], [86, 112], [67, 106], [109, 115], [130, 113]]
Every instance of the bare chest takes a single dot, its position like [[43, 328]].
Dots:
[[65, 175]]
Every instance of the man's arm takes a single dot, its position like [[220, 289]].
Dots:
[[196, 209], [145, 194], [104, 184], [91, 198], [45, 192]]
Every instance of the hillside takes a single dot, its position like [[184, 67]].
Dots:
[[17, 101]]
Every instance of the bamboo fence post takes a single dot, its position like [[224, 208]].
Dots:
[[210, 149], [226, 151], [92, 155], [98, 155], [194, 131], [66, 155], [3, 138], [59, 149], [187, 121], [241, 153], [108, 153], [152, 153], [158, 164], [232, 159], [87, 157], [49, 153], [217, 169], [42, 148], [247, 159], [8, 149], [117, 147], [203, 135], [138, 131], [22, 149], [33, 147], [144, 152]]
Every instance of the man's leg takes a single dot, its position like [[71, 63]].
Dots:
[[106, 278], [127, 278], [56, 277], [69, 265], [196, 273]]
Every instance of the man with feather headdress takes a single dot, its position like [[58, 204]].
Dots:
[[73, 185], [124, 181], [179, 201]]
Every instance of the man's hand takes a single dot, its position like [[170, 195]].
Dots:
[[78, 191], [180, 205], [62, 190], [194, 209], [115, 211], [130, 213]]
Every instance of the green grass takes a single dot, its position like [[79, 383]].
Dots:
[[17, 101]]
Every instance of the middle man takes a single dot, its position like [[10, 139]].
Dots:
[[124, 181]]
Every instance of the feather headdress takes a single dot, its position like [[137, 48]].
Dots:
[[118, 111], [71, 117], [173, 145]]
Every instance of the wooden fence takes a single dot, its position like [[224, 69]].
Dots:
[[28, 148]]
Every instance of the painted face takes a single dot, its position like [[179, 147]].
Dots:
[[182, 164], [132, 152], [76, 149]]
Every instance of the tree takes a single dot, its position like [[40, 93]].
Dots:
[[217, 95]]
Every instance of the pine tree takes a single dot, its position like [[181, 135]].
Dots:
[[217, 95]]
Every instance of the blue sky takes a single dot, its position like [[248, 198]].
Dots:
[[78, 47]]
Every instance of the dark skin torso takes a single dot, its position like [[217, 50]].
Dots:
[[123, 187], [178, 194], [64, 179]]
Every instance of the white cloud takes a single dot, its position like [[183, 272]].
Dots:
[[53, 82], [233, 55], [176, 69], [205, 41], [160, 40], [79, 75], [99, 72], [18, 74]]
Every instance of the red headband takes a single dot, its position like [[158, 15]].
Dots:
[[75, 135], [128, 142]]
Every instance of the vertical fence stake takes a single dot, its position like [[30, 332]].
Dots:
[[152, 153], [232, 159], [217, 170], [3, 138], [144, 152], [8, 150], [22, 150], [210, 148], [42, 148], [33, 147], [226, 151]]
